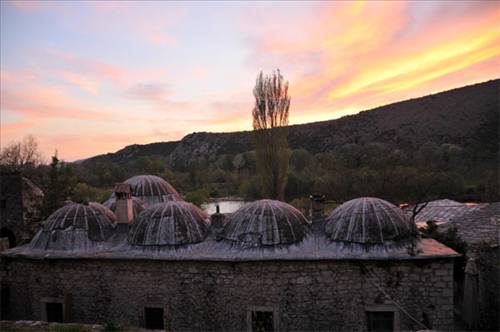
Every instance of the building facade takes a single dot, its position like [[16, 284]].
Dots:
[[264, 268]]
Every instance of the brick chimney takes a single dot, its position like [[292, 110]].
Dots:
[[124, 207]]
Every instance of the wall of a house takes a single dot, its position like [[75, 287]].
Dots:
[[305, 295]]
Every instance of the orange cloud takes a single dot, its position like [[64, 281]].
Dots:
[[353, 55], [46, 102], [10, 129]]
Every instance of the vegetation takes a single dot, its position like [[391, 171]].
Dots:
[[21, 155], [270, 121], [440, 146], [373, 169], [449, 237]]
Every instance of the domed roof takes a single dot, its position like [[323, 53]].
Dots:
[[169, 223], [369, 220], [74, 226], [104, 210], [137, 205], [266, 222], [152, 189]]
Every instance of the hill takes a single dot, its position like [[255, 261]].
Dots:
[[466, 116]]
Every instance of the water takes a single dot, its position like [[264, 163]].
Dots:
[[228, 206]]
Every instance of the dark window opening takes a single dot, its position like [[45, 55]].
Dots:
[[54, 312], [3, 204], [262, 321], [380, 321], [4, 232], [153, 318], [5, 301]]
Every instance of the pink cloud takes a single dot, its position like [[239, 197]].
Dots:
[[47, 102], [141, 20], [29, 5], [346, 55], [11, 129]]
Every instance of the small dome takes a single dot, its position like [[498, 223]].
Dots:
[[74, 226], [369, 220], [104, 210], [169, 223], [152, 189], [137, 205], [266, 222]]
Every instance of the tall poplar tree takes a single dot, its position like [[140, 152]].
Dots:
[[270, 121]]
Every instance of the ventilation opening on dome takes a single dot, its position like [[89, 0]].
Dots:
[[262, 319], [153, 318]]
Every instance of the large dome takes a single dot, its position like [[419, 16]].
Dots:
[[151, 189], [266, 222], [74, 226], [369, 220], [169, 223]]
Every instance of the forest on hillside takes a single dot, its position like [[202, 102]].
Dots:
[[374, 169], [438, 146]]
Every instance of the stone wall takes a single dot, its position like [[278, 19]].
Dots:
[[305, 295], [11, 206], [489, 287]]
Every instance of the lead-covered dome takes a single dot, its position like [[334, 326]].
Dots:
[[170, 223], [150, 189], [369, 220], [74, 226], [104, 210], [266, 222]]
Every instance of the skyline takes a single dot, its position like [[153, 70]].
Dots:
[[88, 78]]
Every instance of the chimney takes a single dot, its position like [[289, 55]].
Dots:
[[217, 221], [124, 207], [317, 211]]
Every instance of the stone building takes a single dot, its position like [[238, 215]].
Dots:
[[265, 268], [20, 202], [480, 292]]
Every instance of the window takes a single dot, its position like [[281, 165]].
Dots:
[[380, 321], [262, 321], [54, 312], [153, 318], [3, 204], [5, 301]]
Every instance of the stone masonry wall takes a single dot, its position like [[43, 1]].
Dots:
[[489, 288], [11, 211], [306, 295]]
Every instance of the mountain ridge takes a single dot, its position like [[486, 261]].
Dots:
[[454, 116]]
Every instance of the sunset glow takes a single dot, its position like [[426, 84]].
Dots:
[[87, 78]]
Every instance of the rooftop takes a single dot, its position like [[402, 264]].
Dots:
[[481, 225], [442, 211], [311, 248]]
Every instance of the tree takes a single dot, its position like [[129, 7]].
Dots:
[[270, 121], [239, 163], [59, 187], [21, 155]]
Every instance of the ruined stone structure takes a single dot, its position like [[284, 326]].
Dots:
[[20, 202], [261, 269], [480, 229]]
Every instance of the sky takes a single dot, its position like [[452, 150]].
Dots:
[[87, 78]]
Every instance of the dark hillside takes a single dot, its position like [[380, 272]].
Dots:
[[466, 116]]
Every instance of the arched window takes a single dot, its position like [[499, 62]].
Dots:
[[4, 232]]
